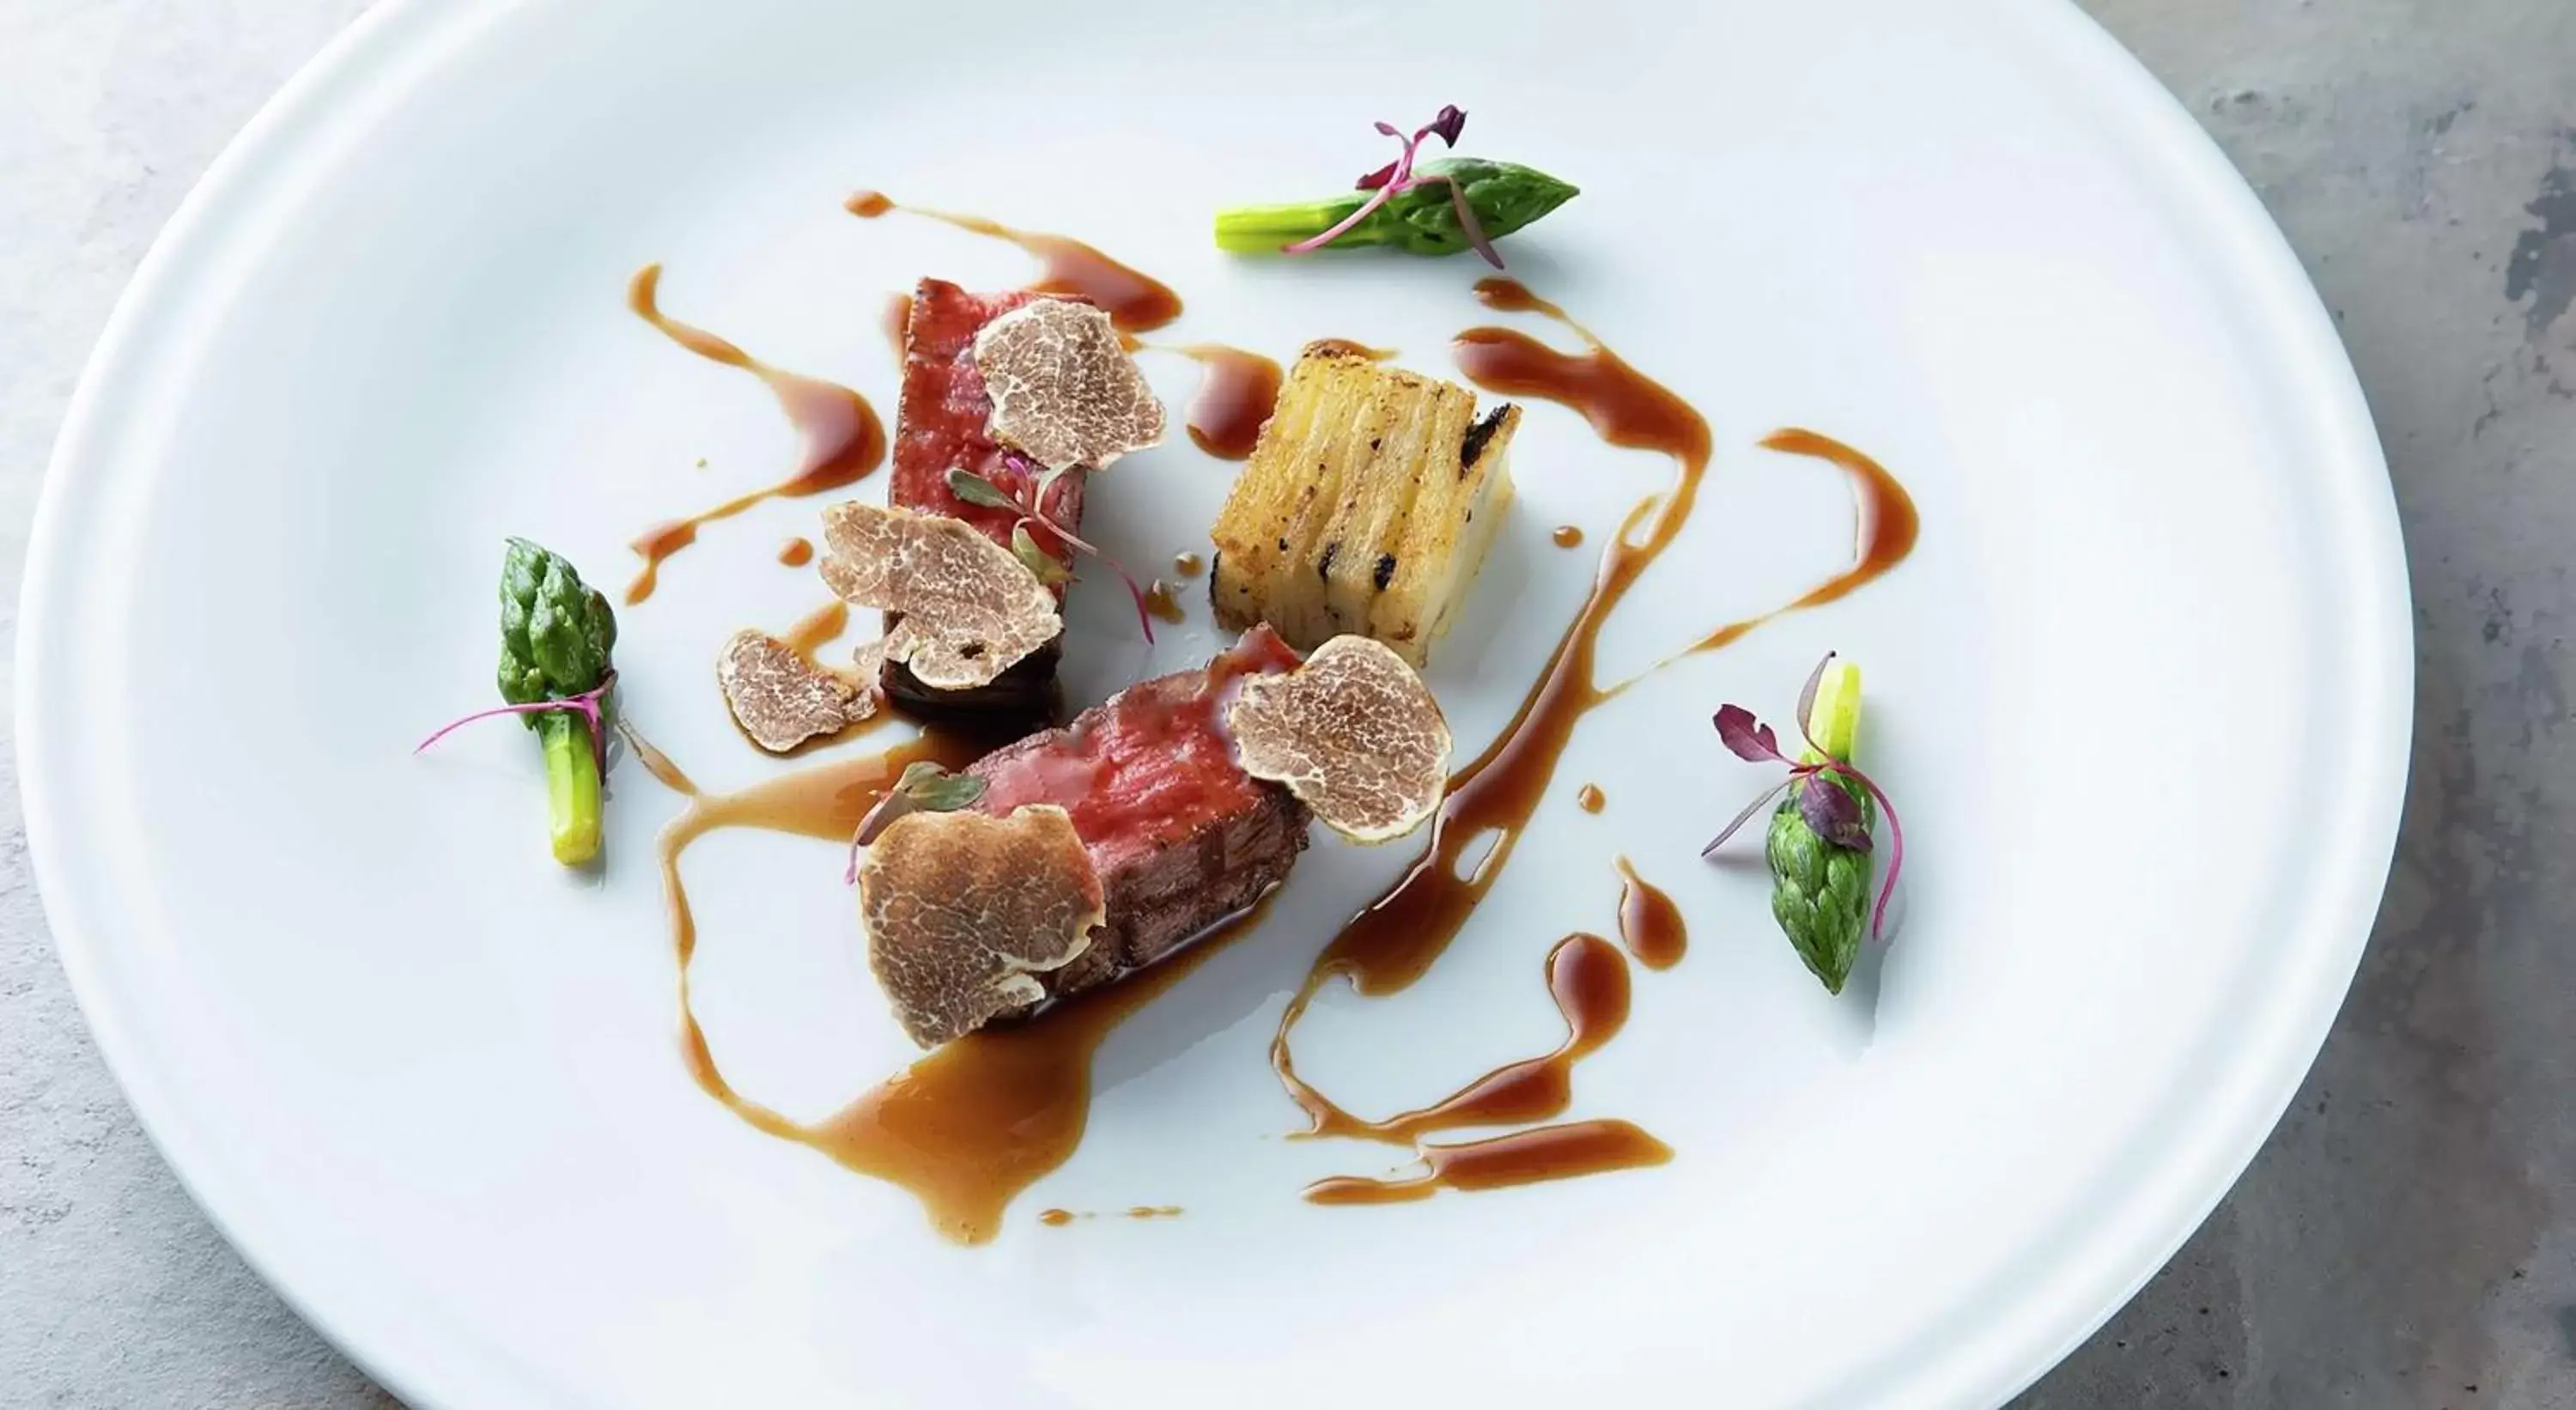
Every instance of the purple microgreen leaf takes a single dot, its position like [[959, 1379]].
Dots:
[[1041, 564], [1376, 199], [1390, 129], [975, 489], [1451, 121], [1746, 816], [1749, 738], [1833, 813], [1807, 703], [1376, 179]]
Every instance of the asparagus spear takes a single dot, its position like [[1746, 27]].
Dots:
[[555, 639], [556, 634], [1818, 843], [1422, 219], [1820, 890]]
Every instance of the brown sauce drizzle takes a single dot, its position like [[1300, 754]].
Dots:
[[1589, 981], [969, 1126], [843, 438], [898, 322], [1135, 301], [1589, 798], [1160, 601], [1884, 527], [1650, 925], [1058, 1218], [1344, 347], [1188, 565], [1236, 395], [1521, 1158], [1567, 536], [818, 629], [796, 552], [1396, 938]]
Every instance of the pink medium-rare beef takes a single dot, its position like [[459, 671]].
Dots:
[[940, 424], [1180, 836]]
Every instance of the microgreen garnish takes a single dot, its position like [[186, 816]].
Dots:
[[924, 788], [1398, 176], [1824, 804], [587, 705], [974, 489]]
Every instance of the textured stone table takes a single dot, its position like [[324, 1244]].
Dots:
[[2407, 1238]]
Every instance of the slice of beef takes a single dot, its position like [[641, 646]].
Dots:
[[1181, 837], [941, 424]]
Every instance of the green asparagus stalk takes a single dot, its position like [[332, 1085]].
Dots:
[[1820, 890], [1421, 219], [556, 634]]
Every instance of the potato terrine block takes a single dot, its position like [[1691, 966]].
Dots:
[[1366, 506]]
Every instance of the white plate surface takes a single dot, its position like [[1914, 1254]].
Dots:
[[2143, 692]]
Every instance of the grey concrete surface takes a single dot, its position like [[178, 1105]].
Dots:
[[2408, 1236]]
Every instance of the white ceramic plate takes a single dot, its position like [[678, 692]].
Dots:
[[2143, 690]]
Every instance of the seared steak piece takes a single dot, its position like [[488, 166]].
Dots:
[[1180, 835], [941, 423]]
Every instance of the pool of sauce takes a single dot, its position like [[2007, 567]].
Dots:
[[1237, 392], [1588, 978], [1650, 925], [1520, 1158], [1135, 301], [972, 1124], [1162, 603], [844, 440]]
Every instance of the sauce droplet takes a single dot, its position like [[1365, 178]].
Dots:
[[969, 1126], [1188, 565], [1520, 1158], [1589, 982], [1160, 602], [1649, 923], [1134, 301], [796, 553], [1236, 395], [844, 441], [1154, 1211], [1056, 1217], [1567, 536], [1589, 798]]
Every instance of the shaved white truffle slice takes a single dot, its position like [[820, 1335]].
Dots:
[[1064, 390], [963, 910], [1353, 733], [970, 610], [779, 698]]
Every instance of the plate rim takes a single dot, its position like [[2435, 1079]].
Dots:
[[1989, 1368]]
